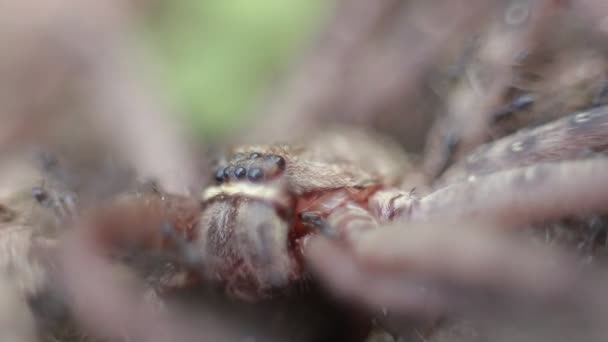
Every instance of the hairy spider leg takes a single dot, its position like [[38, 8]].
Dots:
[[576, 136]]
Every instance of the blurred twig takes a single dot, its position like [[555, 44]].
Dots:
[[370, 59], [68, 79]]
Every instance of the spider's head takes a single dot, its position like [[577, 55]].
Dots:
[[244, 233]]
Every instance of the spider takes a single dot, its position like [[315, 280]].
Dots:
[[248, 233], [254, 233], [245, 233]]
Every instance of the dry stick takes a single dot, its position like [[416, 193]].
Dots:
[[541, 192], [579, 135]]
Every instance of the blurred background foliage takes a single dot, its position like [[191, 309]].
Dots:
[[218, 59]]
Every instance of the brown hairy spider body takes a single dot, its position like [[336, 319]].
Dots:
[[520, 143], [247, 233], [269, 199]]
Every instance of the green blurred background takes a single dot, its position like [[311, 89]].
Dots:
[[217, 58]]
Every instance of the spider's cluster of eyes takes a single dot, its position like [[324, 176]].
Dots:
[[255, 167]]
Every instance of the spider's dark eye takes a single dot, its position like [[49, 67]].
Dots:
[[229, 171], [240, 172], [278, 160], [219, 175], [254, 155], [255, 174]]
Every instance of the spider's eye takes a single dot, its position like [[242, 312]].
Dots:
[[219, 175], [240, 172], [255, 174], [278, 160], [229, 171]]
